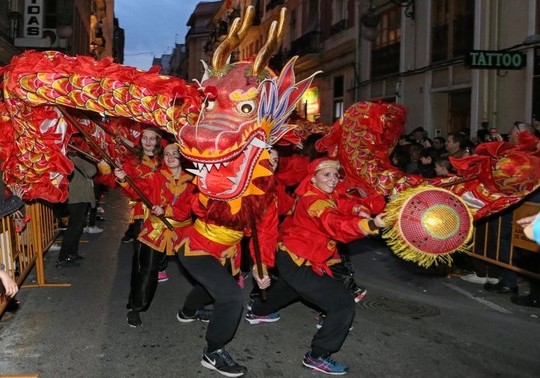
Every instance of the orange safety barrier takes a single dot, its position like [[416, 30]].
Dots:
[[22, 251], [487, 245]]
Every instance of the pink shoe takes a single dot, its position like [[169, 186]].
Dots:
[[162, 276], [241, 280]]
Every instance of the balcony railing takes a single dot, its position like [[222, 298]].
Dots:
[[306, 44], [338, 27]]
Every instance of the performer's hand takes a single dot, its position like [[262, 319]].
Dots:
[[120, 174], [157, 210], [17, 190], [362, 212], [379, 221], [263, 282]]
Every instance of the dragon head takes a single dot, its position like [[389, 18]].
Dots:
[[246, 106]]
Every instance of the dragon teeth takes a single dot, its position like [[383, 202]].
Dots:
[[258, 143], [196, 172]]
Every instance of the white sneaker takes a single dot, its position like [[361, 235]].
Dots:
[[493, 281], [54, 248], [472, 277], [93, 230]]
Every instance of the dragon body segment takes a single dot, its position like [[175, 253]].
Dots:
[[34, 132]]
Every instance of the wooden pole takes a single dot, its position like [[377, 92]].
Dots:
[[257, 253], [85, 154], [458, 181], [113, 164], [115, 137]]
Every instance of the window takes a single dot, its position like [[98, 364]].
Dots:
[[338, 96], [453, 23], [339, 11], [385, 49]]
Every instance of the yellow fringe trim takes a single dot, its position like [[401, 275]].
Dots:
[[402, 248]]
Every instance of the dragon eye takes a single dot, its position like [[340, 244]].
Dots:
[[209, 104], [245, 107]]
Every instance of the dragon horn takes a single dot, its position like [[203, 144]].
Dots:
[[275, 37], [236, 34]]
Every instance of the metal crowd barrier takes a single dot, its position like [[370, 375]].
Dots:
[[524, 254], [22, 251]]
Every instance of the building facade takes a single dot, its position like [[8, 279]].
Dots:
[[417, 53], [74, 27], [198, 37]]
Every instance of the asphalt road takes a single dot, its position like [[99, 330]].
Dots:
[[411, 324]]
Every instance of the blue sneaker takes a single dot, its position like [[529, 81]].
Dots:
[[324, 365], [251, 318]]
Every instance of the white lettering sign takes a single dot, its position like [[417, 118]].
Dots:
[[33, 18], [509, 60]]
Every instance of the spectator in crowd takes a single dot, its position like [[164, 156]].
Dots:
[[531, 229], [482, 135], [400, 158], [457, 144], [426, 163], [426, 142], [517, 128], [494, 136], [443, 167], [80, 198], [9, 203], [417, 135], [9, 285], [439, 146], [99, 192], [414, 152], [508, 280]]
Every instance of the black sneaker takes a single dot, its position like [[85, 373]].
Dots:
[[201, 315], [76, 257], [222, 362], [127, 239], [133, 319], [68, 262]]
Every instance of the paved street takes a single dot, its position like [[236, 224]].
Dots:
[[411, 324]]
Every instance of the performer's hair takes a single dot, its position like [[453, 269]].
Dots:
[[524, 127]]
